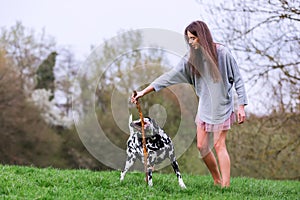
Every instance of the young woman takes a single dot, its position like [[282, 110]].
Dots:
[[213, 72]]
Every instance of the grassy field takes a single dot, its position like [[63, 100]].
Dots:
[[48, 183]]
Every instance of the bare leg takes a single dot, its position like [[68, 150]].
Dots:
[[223, 158], [207, 155]]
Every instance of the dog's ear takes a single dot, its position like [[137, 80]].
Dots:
[[151, 120], [129, 124], [130, 118]]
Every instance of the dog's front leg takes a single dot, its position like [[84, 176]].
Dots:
[[129, 162], [149, 174], [150, 167]]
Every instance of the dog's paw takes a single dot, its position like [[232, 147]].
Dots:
[[122, 177], [181, 184], [150, 183]]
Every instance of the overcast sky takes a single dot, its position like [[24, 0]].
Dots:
[[82, 23]]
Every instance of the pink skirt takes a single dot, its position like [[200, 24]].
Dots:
[[226, 125]]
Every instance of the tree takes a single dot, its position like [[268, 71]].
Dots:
[[45, 74], [24, 137], [25, 49], [33, 56], [65, 75]]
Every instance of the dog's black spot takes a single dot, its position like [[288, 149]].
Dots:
[[153, 143]]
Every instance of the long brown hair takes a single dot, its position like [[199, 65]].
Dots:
[[207, 51]]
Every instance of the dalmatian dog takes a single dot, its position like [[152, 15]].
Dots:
[[159, 146]]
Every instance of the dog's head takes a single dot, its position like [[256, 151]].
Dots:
[[150, 126]]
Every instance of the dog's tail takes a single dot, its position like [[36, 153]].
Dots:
[[129, 124]]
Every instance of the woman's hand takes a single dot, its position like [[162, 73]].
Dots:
[[241, 114], [136, 96]]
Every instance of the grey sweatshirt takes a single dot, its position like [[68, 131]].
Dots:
[[215, 98]]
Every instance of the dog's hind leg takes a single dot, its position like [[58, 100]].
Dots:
[[176, 170], [129, 162]]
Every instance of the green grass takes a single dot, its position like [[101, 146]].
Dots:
[[34, 183]]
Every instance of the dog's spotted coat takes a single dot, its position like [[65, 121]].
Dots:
[[159, 146]]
